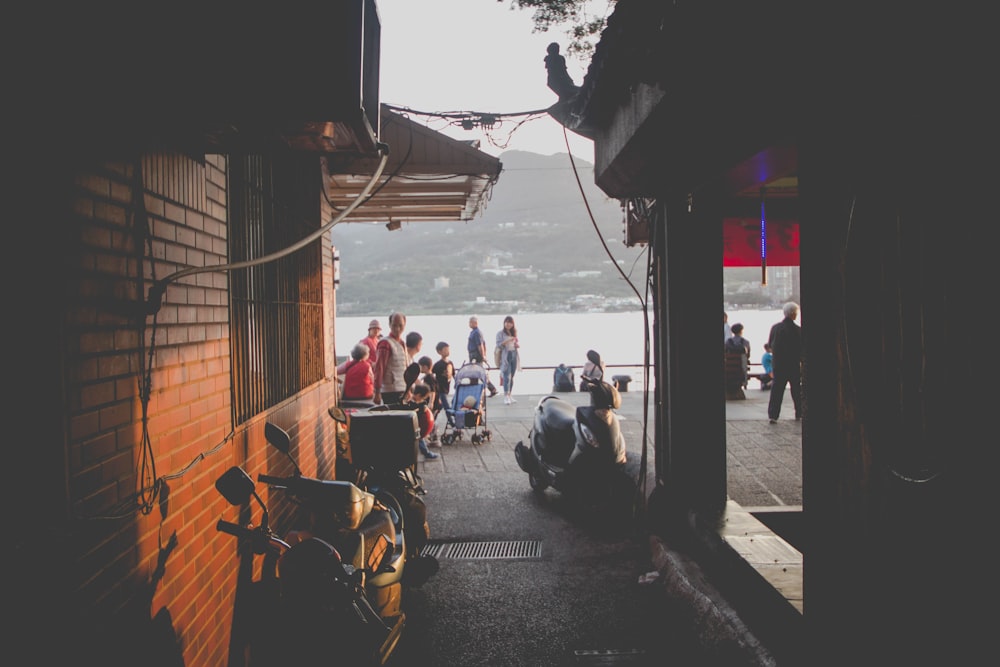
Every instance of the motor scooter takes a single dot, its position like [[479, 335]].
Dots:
[[340, 577], [381, 444], [579, 451]]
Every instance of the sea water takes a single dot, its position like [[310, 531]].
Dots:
[[548, 340]]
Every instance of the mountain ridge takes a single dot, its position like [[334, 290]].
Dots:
[[533, 246]]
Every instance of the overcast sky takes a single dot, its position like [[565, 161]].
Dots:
[[474, 55]]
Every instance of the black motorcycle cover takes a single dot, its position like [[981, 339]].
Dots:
[[552, 434]]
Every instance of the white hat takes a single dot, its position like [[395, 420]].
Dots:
[[374, 325]]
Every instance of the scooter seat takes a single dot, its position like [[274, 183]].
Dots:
[[553, 412]]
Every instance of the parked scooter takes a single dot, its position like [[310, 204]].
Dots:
[[340, 578], [381, 446], [579, 451]]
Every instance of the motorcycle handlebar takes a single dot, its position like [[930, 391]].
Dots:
[[263, 540], [302, 489], [274, 480], [233, 529]]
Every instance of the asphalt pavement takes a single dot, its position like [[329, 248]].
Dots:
[[529, 578]]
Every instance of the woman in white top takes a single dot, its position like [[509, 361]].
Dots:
[[593, 369], [510, 357]]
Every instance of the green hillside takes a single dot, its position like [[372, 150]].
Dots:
[[523, 253]]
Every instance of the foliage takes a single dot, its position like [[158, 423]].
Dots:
[[581, 24]]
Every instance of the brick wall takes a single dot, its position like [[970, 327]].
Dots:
[[146, 573]]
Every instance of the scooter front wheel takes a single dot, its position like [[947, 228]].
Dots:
[[537, 483]]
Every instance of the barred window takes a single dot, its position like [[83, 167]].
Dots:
[[277, 307]]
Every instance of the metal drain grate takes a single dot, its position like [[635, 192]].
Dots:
[[611, 656], [484, 550]]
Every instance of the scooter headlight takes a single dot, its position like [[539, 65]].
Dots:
[[588, 436]]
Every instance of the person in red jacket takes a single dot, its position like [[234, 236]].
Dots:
[[359, 380]]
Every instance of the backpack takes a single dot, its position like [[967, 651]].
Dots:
[[735, 345], [562, 378]]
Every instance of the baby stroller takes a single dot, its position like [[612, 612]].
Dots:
[[468, 406]]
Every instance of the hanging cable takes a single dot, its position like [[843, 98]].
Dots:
[[638, 504], [145, 477], [159, 288], [488, 121], [147, 481]]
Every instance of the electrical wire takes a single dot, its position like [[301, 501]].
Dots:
[[487, 120], [160, 287], [638, 500], [146, 462], [463, 114], [148, 484]]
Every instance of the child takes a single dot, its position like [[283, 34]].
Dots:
[[421, 395], [444, 373], [427, 378], [765, 363]]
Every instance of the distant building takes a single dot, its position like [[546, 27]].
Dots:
[[441, 283]]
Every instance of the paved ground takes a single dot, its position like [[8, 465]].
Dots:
[[585, 597], [764, 460]]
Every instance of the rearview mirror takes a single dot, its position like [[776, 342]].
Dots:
[[277, 437], [235, 486], [338, 414]]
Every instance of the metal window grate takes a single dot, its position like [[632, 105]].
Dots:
[[176, 177], [276, 308], [508, 550]]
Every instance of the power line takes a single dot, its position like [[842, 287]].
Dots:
[[466, 114]]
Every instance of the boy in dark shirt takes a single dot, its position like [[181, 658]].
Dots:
[[444, 371], [427, 378]]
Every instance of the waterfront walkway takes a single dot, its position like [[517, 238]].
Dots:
[[764, 460]]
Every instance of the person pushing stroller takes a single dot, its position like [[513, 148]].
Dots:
[[477, 350]]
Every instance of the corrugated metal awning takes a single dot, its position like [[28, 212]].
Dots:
[[429, 177]]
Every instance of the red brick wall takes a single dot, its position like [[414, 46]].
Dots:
[[149, 573]]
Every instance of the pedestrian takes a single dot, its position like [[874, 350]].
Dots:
[[359, 378], [390, 363], [477, 343], [444, 373], [727, 331], [593, 370], [425, 418], [737, 344], [372, 339], [786, 347], [508, 349], [414, 343], [767, 375], [428, 379], [477, 350]]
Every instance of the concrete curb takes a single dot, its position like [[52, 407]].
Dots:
[[718, 627]]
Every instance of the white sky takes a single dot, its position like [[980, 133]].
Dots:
[[474, 55]]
